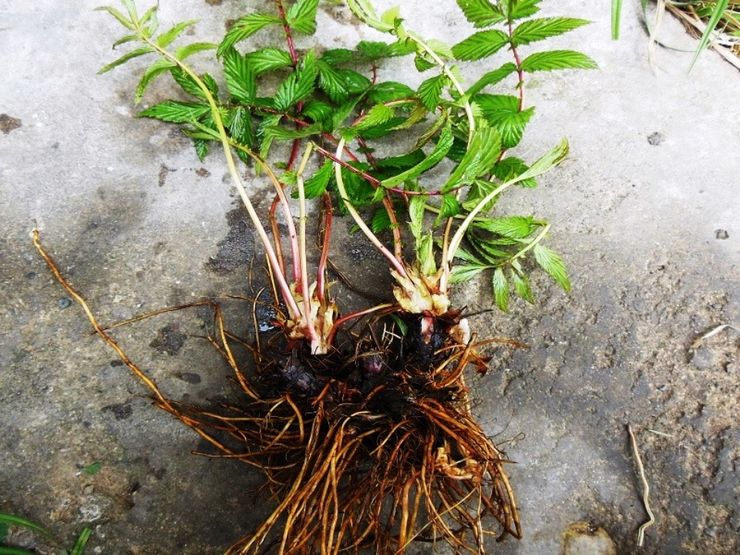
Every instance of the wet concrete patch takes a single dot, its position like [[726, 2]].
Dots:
[[236, 250], [169, 340]]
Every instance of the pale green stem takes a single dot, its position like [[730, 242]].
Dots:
[[531, 244], [235, 177], [397, 265], [302, 245]]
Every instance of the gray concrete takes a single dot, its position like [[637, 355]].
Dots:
[[643, 211]]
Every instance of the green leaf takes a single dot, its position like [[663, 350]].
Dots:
[[521, 286], [201, 148], [462, 254], [92, 468], [240, 126], [372, 51], [480, 45], [316, 185], [122, 19], [717, 12], [188, 50], [551, 158], [481, 13], [318, 111], [500, 289], [3, 532], [176, 112], [244, 28], [478, 159], [502, 112], [403, 327], [422, 62], [380, 221], [417, 209], [553, 265], [450, 207], [515, 227], [265, 138], [359, 191], [542, 28], [557, 59], [477, 192], [166, 38], [298, 85], [404, 161], [518, 9], [616, 17], [302, 16], [125, 58], [491, 78], [82, 539], [240, 79], [511, 167], [375, 116], [332, 82], [387, 91], [430, 91], [268, 59], [466, 272], [440, 150], [191, 87], [355, 82], [151, 73]]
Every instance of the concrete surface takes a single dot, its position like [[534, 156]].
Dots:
[[645, 212]]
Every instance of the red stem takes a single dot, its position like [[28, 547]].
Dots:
[[288, 33]]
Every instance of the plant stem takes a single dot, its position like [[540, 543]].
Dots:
[[235, 177], [531, 244], [324, 259], [302, 247], [395, 262], [288, 33], [519, 71]]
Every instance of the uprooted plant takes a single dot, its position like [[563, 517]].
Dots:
[[365, 432]]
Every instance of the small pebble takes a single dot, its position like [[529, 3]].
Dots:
[[655, 138], [64, 302]]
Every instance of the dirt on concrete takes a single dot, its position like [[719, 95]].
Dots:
[[644, 212]]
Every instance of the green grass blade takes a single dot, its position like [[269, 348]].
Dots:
[[14, 551], [616, 18], [79, 547], [13, 520], [719, 9]]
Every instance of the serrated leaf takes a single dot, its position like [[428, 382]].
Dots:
[[124, 39], [500, 289], [201, 148], [391, 15], [286, 134], [521, 286], [544, 27], [518, 9], [355, 82], [166, 38], [191, 87], [466, 272], [481, 13], [382, 129], [502, 112], [125, 58], [480, 45], [511, 167], [553, 265], [479, 158], [515, 227], [244, 28], [151, 73], [462, 254], [317, 111], [380, 221], [359, 191], [176, 112], [440, 150], [336, 56], [302, 16], [118, 15], [375, 116], [491, 78], [550, 159], [423, 63], [477, 192], [450, 207], [316, 185], [240, 126], [298, 85], [372, 51], [404, 161], [417, 209], [387, 91], [240, 79], [265, 138], [332, 82], [557, 59], [268, 59], [430, 91]]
